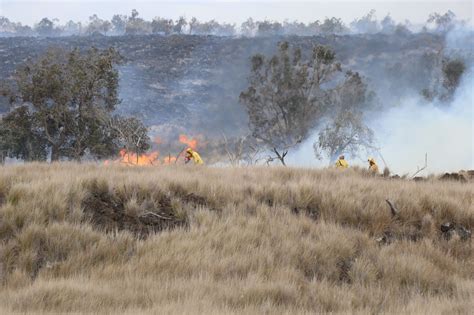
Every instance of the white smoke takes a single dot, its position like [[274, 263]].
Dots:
[[461, 38], [444, 132], [406, 133], [304, 155]]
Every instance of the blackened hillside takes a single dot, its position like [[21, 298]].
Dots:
[[195, 81]]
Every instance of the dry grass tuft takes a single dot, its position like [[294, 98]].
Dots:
[[88, 238]]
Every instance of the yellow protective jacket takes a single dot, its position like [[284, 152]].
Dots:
[[342, 164], [374, 168], [195, 157]]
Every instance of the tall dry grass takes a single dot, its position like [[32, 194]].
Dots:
[[256, 240]]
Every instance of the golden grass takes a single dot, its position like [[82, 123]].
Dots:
[[256, 240]]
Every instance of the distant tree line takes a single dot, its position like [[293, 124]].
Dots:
[[133, 24]]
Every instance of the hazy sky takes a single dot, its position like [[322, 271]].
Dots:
[[31, 11]]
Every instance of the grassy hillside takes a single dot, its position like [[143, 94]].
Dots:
[[87, 238]]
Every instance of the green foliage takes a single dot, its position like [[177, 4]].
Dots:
[[452, 73], [267, 28], [136, 25], [119, 23], [346, 133], [161, 25], [97, 25], [284, 99], [352, 94], [443, 22], [288, 97], [447, 79], [60, 105], [333, 26], [45, 27], [19, 136], [180, 25]]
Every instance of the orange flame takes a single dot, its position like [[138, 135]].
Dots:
[[169, 160], [131, 158], [192, 143]]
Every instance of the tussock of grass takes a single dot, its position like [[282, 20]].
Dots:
[[248, 240]]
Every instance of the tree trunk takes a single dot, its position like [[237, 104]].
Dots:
[[30, 154], [54, 153], [281, 157]]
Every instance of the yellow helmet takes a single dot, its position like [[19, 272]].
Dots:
[[189, 150]]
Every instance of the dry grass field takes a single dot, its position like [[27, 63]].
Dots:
[[96, 239]]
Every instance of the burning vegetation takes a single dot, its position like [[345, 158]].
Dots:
[[334, 82], [80, 237], [130, 158], [153, 157]]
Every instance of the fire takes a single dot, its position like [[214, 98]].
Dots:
[[169, 160], [152, 158], [192, 143], [131, 158]]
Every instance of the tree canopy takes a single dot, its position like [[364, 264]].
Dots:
[[288, 96], [60, 104], [346, 133]]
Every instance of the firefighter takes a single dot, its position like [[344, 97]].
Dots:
[[342, 163], [193, 155], [373, 166]]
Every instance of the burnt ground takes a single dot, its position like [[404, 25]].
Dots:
[[179, 80], [108, 213], [109, 210]]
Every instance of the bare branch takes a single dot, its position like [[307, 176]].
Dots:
[[393, 209], [423, 168], [155, 215]]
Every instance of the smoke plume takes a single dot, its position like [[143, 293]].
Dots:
[[415, 128], [444, 132]]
